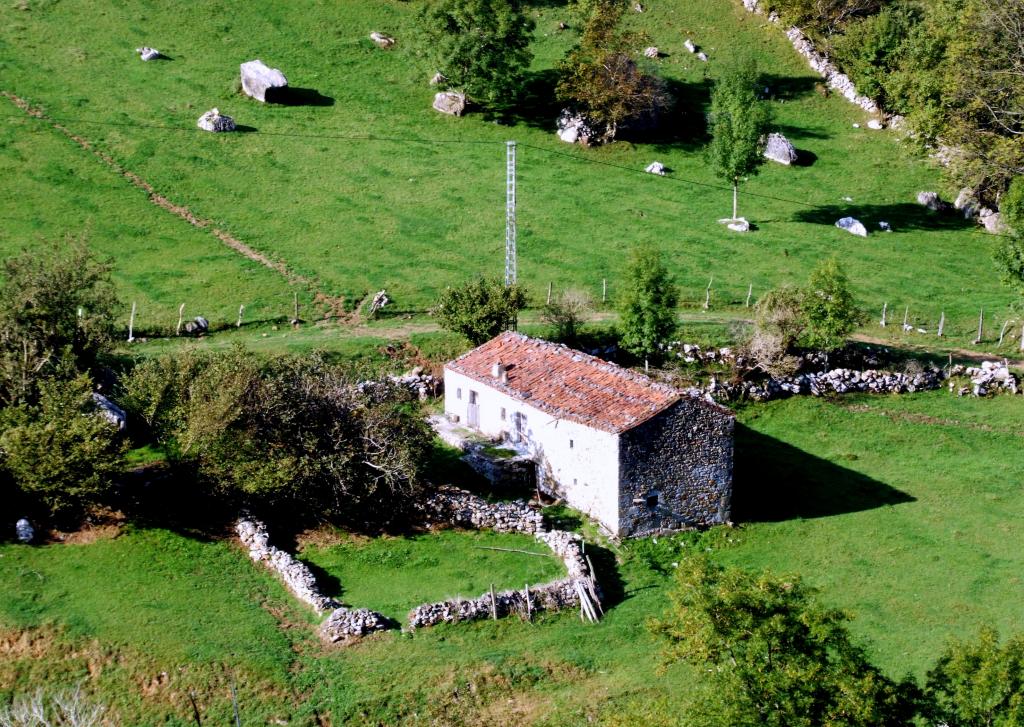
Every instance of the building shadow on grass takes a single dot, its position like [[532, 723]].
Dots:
[[788, 88], [775, 481], [902, 217], [296, 96]]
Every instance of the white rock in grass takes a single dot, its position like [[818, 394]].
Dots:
[[703, 56], [875, 124], [437, 79], [689, 45], [212, 120], [382, 40], [738, 224], [778, 148], [854, 227], [450, 102], [651, 52], [258, 78], [147, 54], [656, 168], [24, 531]]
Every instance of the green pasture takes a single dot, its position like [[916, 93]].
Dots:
[[365, 187], [903, 510]]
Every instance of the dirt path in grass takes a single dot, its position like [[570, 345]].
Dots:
[[159, 200]]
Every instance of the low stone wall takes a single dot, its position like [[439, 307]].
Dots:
[[578, 589], [990, 377], [457, 507], [836, 381], [507, 474], [296, 576], [343, 623], [820, 63]]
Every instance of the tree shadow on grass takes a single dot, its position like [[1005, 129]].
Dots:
[[800, 132], [903, 216], [295, 96], [775, 481], [606, 570], [788, 88]]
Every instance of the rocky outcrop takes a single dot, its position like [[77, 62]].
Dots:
[[213, 120], [110, 411], [450, 102], [197, 326], [297, 577], [777, 148], [258, 78], [575, 128]]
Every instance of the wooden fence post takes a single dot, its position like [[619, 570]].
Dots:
[[131, 325], [604, 290], [750, 291], [181, 311], [885, 309], [549, 293], [942, 323], [241, 310], [494, 604], [981, 326]]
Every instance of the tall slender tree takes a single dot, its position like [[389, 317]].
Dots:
[[648, 307], [739, 119]]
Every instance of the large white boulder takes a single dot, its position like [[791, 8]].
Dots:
[[382, 40], [258, 77], [853, 226], [450, 102], [656, 168], [932, 201], [777, 148]]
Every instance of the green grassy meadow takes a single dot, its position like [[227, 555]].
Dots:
[[367, 187], [903, 510]]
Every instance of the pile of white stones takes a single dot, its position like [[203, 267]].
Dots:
[[296, 576], [457, 507], [988, 378], [419, 384]]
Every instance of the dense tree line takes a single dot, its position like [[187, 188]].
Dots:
[[954, 68]]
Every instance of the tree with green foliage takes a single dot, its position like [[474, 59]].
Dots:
[[291, 433], [59, 452], [779, 325], [600, 78], [829, 307], [647, 308], [1010, 248], [770, 655], [978, 683], [567, 314], [482, 47], [57, 307], [739, 121], [825, 16], [480, 309]]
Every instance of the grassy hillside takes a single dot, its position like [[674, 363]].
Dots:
[[903, 510], [309, 187]]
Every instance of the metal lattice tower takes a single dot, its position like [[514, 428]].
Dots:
[[510, 213]]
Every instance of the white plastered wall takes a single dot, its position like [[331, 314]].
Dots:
[[584, 462]]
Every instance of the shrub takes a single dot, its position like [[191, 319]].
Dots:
[[647, 309], [828, 305], [59, 452], [480, 309], [566, 314]]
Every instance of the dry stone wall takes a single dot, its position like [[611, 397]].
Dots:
[[453, 506], [343, 622]]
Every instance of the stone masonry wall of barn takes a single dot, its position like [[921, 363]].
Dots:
[[576, 462], [676, 469]]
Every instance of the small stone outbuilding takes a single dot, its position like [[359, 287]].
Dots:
[[638, 456]]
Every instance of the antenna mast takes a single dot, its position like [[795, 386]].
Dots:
[[510, 213]]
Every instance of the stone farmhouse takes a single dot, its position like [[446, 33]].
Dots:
[[638, 456]]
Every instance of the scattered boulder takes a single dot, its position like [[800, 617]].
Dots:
[[212, 120], [966, 203], [638, 7], [380, 300], [197, 326], [651, 52], [992, 221], [450, 102], [689, 45], [258, 77], [344, 623], [382, 40], [110, 411], [853, 226], [778, 148], [875, 124], [574, 128], [24, 531], [656, 168], [932, 201], [701, 55], [147, 54], [437, 79], [738, 224], [885, 226]]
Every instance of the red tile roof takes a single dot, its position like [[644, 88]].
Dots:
[[567, 384]]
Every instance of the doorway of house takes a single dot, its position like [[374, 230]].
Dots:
[[473, 412]]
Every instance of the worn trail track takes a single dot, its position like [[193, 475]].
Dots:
[[158, 199]]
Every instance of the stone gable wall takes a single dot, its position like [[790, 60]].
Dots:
[[684, 457]]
